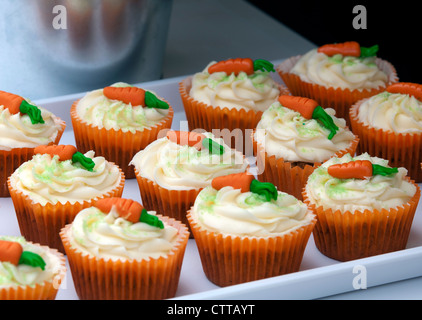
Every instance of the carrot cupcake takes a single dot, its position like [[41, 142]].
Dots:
[[51, 188], [295, 135], [364, 207], [247, 230], [118, 121], [338, 75], [126, 252], [389, 126], [172, 170], [23, 126], [230, 94], [29, 271]]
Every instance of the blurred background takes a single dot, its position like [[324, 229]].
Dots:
[[105, 41]]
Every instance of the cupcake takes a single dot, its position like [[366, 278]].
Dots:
[[23, 126], [232, 95], [363, 206], [247, 230], [295, 135], [29, 271], [51, 188], [126, 252], [118, 121], [389, 126], [338, 75], [172, 170]]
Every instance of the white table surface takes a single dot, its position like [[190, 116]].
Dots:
[[203, 30]]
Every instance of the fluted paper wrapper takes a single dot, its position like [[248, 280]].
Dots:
[[237, 122], [328, 97], [286, 176], [400, 149], [12, 159], [107, 279], [171, 203], [115, 145], [42, 223], [46, 290], [349, 235], [229, 259]]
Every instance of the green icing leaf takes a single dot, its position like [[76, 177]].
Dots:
[[267, 189], [383, 171], [151, 219], [263, 65], [369, 52], [86, 162], [32, 259], [32, 111], [213, 146], [151, 101], [326, 120]]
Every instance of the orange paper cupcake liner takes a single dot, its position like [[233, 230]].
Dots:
[[107, 279], [215, 119], [400, 149], [229, 260], [284, 175], [328, 97], [349, 235], [171, 203], [12, 159], [42, 224], [115, 145], [46, 290]]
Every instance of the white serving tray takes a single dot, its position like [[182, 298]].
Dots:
[[318, 277]]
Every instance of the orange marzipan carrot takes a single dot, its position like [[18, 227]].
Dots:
[[65, 152], [233, 66], [240, 181], [359, 169], [190, 138], [409, 88], [10, 101], [10, 251], [133, 95], [348, 48], [128, 209], [304, 106]]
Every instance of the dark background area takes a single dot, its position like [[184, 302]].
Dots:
[[395, 26]]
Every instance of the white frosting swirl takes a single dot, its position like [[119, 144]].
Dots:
[[17, 130], [229, 211], [400, 113], [376, 192], [286, 134], [11, 275], [46, 179], [345, 72], [109, 236], [177, 167], [102, 112], [250, 92]]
